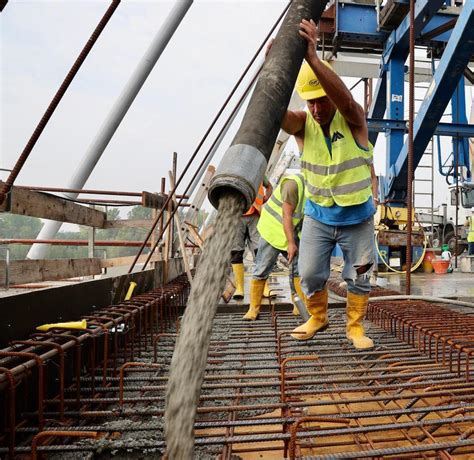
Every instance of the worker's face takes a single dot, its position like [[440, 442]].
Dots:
[[322, 109]]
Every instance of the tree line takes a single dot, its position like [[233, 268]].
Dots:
[[23, 227]]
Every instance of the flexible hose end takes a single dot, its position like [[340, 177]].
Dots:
[[241, 169]]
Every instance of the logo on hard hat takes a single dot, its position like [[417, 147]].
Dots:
[[313, 82]]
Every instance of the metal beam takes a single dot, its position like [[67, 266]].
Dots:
[[425, 10], [451, 67], [356, 27], [442, 129], [379, 104], [396, 46], [458, 115]]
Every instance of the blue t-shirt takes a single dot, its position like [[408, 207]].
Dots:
[[340, 215]]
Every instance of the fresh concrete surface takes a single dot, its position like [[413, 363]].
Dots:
[[454, 285]]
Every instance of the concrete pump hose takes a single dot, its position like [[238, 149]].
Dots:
[[244, 163]]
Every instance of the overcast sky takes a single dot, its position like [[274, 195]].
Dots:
[[41, 39]]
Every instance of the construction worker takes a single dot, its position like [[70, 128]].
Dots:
[[336, 163], [470, 233], [247, 232], [278, 226]]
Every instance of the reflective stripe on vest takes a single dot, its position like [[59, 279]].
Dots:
[[270, 224], [258, 203], [341, 177], [470, 234]]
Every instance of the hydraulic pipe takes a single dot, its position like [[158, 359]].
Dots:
[[245, 161], [115, 116]]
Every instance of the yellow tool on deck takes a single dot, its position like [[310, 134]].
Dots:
[[131, 288], [68, 325]]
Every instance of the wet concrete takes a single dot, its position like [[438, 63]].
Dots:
[[454, 285]]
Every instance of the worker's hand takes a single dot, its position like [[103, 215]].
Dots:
[[292, 251], [310, 32], [268, 192]]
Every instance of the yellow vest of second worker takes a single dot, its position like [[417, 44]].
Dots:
[[470, 234], [270, 224], [341, 177]]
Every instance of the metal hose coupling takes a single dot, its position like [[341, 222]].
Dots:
[[241, 169]]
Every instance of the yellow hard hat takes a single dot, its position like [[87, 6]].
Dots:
[[307, 84]]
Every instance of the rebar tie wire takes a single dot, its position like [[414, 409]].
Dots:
[[5, 188], [219, 113]]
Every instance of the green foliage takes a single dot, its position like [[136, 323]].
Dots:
[[14, 226]]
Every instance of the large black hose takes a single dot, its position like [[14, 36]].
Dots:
[[244, 163]]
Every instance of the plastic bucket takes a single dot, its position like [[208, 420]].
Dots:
[[440, 266], [427, 265]]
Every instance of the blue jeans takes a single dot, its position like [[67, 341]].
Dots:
[[470, 250], [317, 243], [267, 255]]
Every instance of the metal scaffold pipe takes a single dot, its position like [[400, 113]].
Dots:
[[116, 115], [244, 163]]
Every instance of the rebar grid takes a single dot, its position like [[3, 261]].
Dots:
[[263, 391], [49, 365], [442, 333]]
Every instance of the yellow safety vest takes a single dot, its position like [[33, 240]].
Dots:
[[270, 224], [470, 234], [341, 177]]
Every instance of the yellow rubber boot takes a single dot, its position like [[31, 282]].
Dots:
[[238, 270], [266, 290], [317, 306], [356, 310], [256, 293], [299, 291]]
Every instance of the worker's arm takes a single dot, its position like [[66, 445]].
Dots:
[[333, 85], [293, 121], [288, 210], [375, 186], [290, 198]]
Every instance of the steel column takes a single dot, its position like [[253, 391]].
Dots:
[[451, 66]]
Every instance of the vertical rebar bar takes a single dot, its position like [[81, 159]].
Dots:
[[411, 112], [456, 175]]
